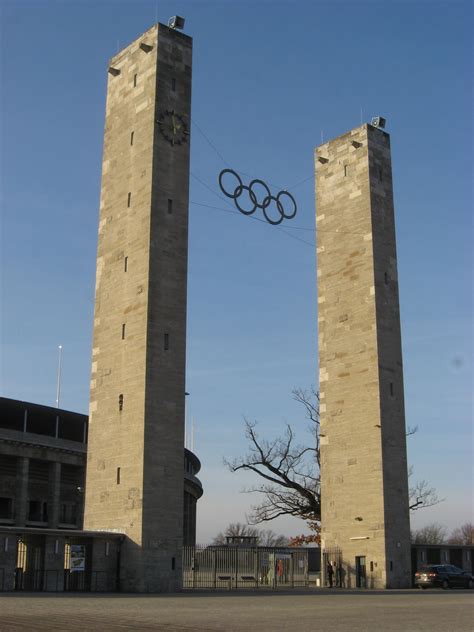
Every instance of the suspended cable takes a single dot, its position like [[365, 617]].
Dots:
[[210, 188], [258, 219], [301, 182], [210, 143]]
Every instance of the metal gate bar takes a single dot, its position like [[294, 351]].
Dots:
[[236, 567]]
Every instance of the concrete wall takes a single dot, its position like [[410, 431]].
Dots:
[[63, 480], [461, 556], [136, 422], [7, 561], [364, 486], [35, 472]]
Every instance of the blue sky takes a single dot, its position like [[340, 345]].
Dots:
[[270, 79]]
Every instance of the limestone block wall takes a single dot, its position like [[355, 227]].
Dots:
[[363, 453], [136, 423]]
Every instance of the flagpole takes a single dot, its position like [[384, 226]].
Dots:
[[58, 387]]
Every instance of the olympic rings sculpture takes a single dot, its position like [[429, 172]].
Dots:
[[253, 198]]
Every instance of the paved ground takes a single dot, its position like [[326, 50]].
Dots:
[[298, 611]]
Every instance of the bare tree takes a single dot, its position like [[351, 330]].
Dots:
[[429, 534], [421, 495], [236, 530], [267, 537], [264, 537], [463, 534], [291, 471]]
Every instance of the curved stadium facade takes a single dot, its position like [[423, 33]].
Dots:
[[43, 453]]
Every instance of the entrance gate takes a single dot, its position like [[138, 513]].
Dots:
[[333, 557], [234, 567], [69, 568], [29, 573]]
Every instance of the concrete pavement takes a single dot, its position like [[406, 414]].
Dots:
[[299, 611]]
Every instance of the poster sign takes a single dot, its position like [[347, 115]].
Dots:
[[78, 558]]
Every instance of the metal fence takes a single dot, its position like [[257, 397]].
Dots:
[[53, 580], [332, 571], [235, 567]]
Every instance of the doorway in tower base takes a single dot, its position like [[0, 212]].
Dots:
[[339, 572], [361, 575]]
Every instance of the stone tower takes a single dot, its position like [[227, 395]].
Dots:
[[364, 483], [136, 429]]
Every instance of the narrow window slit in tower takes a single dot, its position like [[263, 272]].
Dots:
[[173, 84], [170, 206], [129, 200], [131, 138], [120, 402], [391, 389], [166, 342], [385, 275], [173, 563], [123, 331], [380, 173], [125, 264], [134, 81], [118, 476], [346, 170]]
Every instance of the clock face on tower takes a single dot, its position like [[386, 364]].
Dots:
[[173, 127]]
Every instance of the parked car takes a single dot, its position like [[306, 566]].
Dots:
[[443, 575]]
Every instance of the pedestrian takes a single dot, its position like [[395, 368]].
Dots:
[[280, 571], [343, 577], [330, 573]]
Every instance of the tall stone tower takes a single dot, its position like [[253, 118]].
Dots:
[[136, 425], [364, 483]]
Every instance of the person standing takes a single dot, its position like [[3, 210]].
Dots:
[[330, 573]]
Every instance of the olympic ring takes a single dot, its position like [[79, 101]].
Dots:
[[292, 199], [234, 173], [254, 199], [268, 200], [262, 183]]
